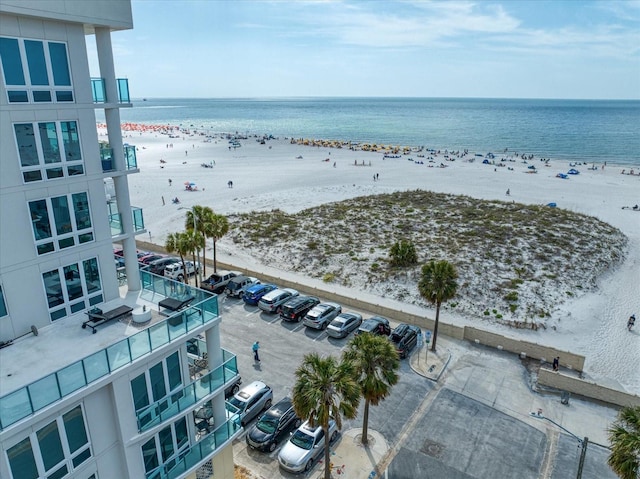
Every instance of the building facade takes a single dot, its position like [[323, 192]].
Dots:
[[126, 401]]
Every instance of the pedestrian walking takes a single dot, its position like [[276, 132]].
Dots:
[[632, 321], [169, 181], [255, 348], [508, 192], [556, 363]]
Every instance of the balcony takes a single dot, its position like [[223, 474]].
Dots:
[[108, 164], [199, 452], [115, 219], [99, 92], [179, 401], [35, 396]]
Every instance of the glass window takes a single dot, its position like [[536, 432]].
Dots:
[[182, 437], [36, 62], [173, 371], [81, 210], [64, 95], [18, 96], [158, 388], [25, 138], [75, 429], [166, 443], [21, 460], [3, 305], [139, 391], [70, 140], [61, 214], [49, 142], [59, 64], [53, 287], [40, 219], [42, 96], [11, 61], [150, 455], [50, 445], [73, 283], [92, 275]]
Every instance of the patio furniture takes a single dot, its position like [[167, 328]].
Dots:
[[97, 316]]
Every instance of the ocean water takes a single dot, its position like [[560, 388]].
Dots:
[[575, 130]]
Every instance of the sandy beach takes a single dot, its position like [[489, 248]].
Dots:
[[291, 176]]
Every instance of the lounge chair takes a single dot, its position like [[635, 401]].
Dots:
[[97, 317]]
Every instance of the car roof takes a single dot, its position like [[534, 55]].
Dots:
[[281, 407], [258, 287], [250, 389]]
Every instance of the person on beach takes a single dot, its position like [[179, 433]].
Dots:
[[508, 192], [631, 322], [169, 181], [556, 363], [255, 348]]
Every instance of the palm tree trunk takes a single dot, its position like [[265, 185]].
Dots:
[[435, 327], [365, 423], [215, 270], [327, 456], [195, 274]]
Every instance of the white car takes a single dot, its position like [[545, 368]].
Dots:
[[271, 302], [176, 270], [305, 446]]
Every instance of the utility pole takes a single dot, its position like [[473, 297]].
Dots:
[[583, 453]]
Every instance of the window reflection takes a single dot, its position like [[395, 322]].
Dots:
[[40, 219], [72, 280], [53, 288], [26, 144], [49, 142], [69, 130]]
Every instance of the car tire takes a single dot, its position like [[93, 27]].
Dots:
[[267, 405], [333, 436], [235, 389], [180, 278], [308, 465], [297, 423], [272, 447]]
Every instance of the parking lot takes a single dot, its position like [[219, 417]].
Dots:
[[475, 424]]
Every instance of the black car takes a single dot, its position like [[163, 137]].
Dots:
[[157, 266], [296, 308], [405, 337], [273, 426], [375, 325]]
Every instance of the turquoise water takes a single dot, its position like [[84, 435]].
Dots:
[[576, 130]]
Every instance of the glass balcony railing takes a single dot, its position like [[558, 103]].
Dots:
[[22, 403], [138, 219], [115, 223], [130, 157], [106, 157], [178, 401], [99, 92], [199, 451]]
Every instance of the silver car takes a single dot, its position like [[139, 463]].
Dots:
[[305, 446], [271, 302], [321, 315], [250, 401], [344, 324]]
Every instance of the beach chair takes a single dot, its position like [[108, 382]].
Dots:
[[98, 317]]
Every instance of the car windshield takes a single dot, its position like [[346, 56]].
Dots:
[[302, 440], [338, 323], [267, 424], [237, 403]]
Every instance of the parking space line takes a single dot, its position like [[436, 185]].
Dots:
[[298, 328]]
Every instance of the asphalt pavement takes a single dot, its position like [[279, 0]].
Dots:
[[462, 412]]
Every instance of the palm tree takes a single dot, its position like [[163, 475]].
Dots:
[[192, 242], [437, 285], [376, 361], [217, 226], [181, 243], [325, 388], [197, 218], [624, 435]]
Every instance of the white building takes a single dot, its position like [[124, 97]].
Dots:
[[123, 402]]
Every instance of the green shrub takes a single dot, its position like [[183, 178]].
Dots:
[[312, 245], [498, 316], [513, 307], [375, 266], [403, 253], [511, 296], [486, 312], [328, 277]]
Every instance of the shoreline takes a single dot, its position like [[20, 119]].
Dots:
[[279, 175]]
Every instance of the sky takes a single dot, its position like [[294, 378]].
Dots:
[[374, 48]]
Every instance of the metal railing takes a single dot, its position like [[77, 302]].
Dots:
[[99, 92]]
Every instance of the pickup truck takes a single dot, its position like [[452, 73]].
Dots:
[[217, 282], [176, 270]]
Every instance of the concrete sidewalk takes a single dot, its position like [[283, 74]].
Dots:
[[351, 460]]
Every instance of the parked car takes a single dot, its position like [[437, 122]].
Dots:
[[217, 282], [273, 426], [158, 266], [250, 401], [296, 308], [321, 315], [254, 293], [146, 259], [344, 324], [272, 301], [375, 325], [405, 338], [237, 285], [305, 446], [176, 270]]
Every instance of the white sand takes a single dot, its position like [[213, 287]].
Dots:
[[271, 176]]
